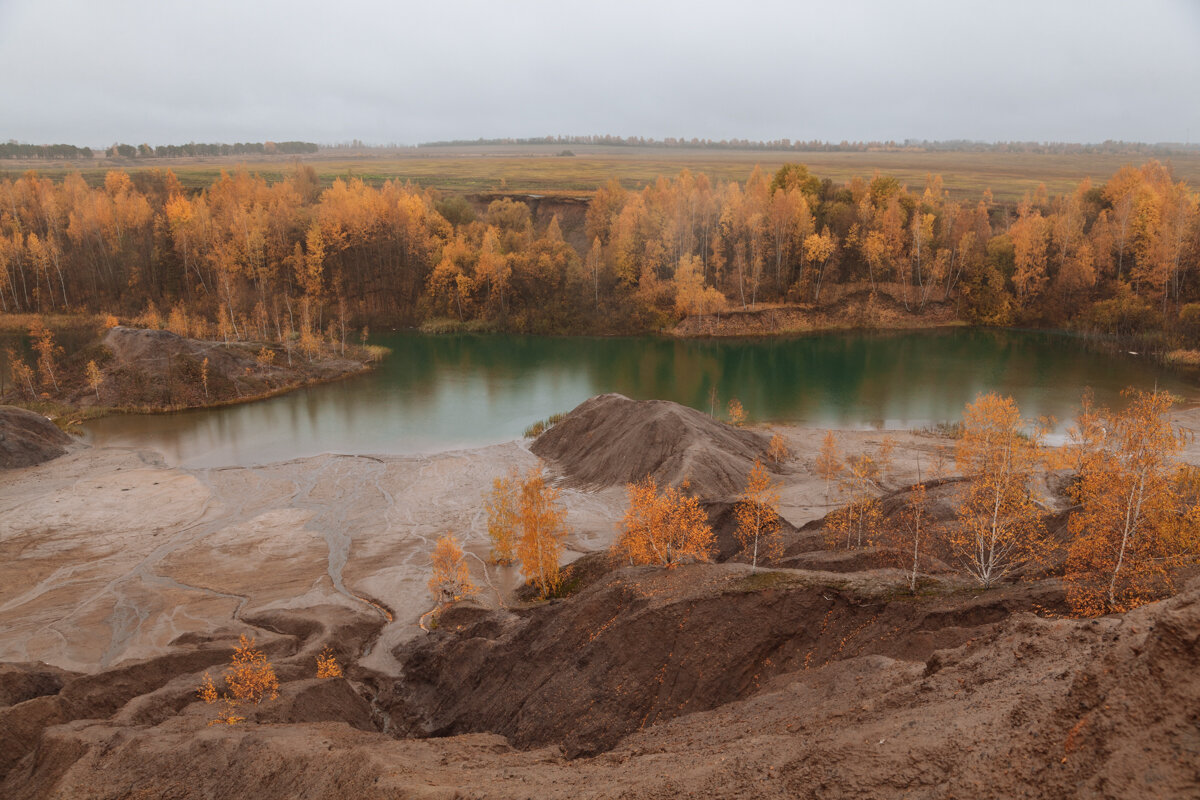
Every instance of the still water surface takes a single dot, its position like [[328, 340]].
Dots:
[[445, 392]]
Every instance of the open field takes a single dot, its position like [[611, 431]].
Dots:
[[537, 169]]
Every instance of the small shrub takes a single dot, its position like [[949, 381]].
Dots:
[[207, 691], [951, 430], [737, 414], [250, 678], [327, 664], [542, 425], [777, 450]]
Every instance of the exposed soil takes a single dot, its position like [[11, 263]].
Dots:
[[818, 675], [156, 369], [28, 439], [570, 211], [861, 309], [1015, 705], [648, 644], [611, 440]]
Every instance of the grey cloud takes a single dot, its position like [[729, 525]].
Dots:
[[98, 72]]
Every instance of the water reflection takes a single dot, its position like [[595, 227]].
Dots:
[[443, 392]]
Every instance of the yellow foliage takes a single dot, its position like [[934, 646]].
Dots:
[[829, 461], [149, 318], [1139, 515], [227, 715], [543, 531], [177, 321], [310, 345], [503, 517], [910, 537], [663, 528], [777, 450], [758, 515], [737, 414], [47, 350], [999, 525], [883, 457], [20, 372], [451, 580], [692, 296], [857, 522], [94, 378], [327, 664], [250, 677], [207, 691]]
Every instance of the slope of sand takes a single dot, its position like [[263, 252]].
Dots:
[[817, 677], [107, 554]]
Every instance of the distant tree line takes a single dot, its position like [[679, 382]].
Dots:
[[818, 146], [14, 149], [237, 149]]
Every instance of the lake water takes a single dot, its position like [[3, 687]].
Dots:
[[445, 392]]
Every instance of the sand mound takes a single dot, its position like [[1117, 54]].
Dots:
[[611, 440], [139, 344], [27, 438]]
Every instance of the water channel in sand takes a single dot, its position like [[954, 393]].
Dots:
[[437, 393]]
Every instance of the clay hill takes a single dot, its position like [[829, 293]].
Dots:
[[611, 440], [816, 676], [27, 438]]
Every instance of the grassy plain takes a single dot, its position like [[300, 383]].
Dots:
[[538, 169]]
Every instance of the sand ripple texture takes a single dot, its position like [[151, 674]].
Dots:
[[108, 554]]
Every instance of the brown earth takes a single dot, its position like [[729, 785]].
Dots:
[[611, 440], [647, 644], [27, 439], [570, 211], [956, 696], [817, 676], [155, 369], [855, 309]]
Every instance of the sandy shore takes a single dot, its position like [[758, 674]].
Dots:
[[108, 554]]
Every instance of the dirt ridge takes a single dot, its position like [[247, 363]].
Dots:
[[648, 644]]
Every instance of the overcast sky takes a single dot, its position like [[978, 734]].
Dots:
[[159, 71]]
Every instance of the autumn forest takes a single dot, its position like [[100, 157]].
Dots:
[[249, 259]]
